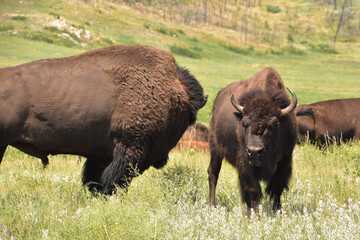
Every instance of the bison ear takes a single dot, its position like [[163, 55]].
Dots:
[[238, 115], [305, 112]]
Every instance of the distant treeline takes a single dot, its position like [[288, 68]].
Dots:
[[259, 21]]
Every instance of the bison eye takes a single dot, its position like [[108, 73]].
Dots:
[[245, 123]]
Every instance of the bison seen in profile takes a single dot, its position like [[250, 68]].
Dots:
[[196, 136], [119, 107], [332, 120], [254, 127]]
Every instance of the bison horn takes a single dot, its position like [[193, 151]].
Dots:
[[236, 105], [291, 107]]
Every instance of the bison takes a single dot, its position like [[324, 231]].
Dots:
[[337, 120], [121, 107], [196, 136], [254, 127]]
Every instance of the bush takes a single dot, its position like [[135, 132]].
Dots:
[[274, 52], [177, 50], [238, 50], [324, 48], [273, 9], [295, 51], [19, 18], [6, 28], [170, 32], [49, 37], [107, 41], [55, 15], [147, 25]]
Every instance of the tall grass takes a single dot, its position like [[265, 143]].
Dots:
[[323, 201]]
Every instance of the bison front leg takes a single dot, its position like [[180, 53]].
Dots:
[[279, 181], [213, 171], [250, 192]]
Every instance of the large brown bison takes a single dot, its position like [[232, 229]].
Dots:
[[327, 121], [196, 136], [121, 107], [254, 127]]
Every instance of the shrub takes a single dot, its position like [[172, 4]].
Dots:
[[194, 39], [324, 48], [168, 32], [184, 52], [6, 28], [238, 50], [19, 18], [51, 38], [147, 25], [295, 51], [107, 41], [273, 9], [55, 15]]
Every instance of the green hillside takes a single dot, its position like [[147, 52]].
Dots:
[[233, 41]]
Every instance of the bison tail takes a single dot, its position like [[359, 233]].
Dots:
[[114, 173]]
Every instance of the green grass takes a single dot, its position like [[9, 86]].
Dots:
[[323, 201]]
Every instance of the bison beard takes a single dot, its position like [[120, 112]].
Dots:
[[258, 139], [121, 107]]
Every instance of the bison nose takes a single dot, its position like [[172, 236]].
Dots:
[[255, 151]]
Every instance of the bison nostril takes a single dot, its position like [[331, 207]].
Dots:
[[261, 150], [255, 151]]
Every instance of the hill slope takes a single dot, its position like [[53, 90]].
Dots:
[[237, 39]]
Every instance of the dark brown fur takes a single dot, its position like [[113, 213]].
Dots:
[[231, 133], [327, 121], [119, 106]]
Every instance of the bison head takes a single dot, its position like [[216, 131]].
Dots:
[[261, 114]]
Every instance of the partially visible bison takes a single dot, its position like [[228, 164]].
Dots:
[[196, 136], [254, 127], [327, 121], [121, 107]]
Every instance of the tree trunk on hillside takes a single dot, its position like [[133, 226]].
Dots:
[[340, 22], [205, 10], [244, 28], [221, 13]]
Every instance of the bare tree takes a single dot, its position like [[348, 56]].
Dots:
[[340, 22], [205, 10], [221, 13]]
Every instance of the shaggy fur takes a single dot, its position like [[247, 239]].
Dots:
[[260, 124], [121, 107]]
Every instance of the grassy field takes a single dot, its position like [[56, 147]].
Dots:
[[323, 201]]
